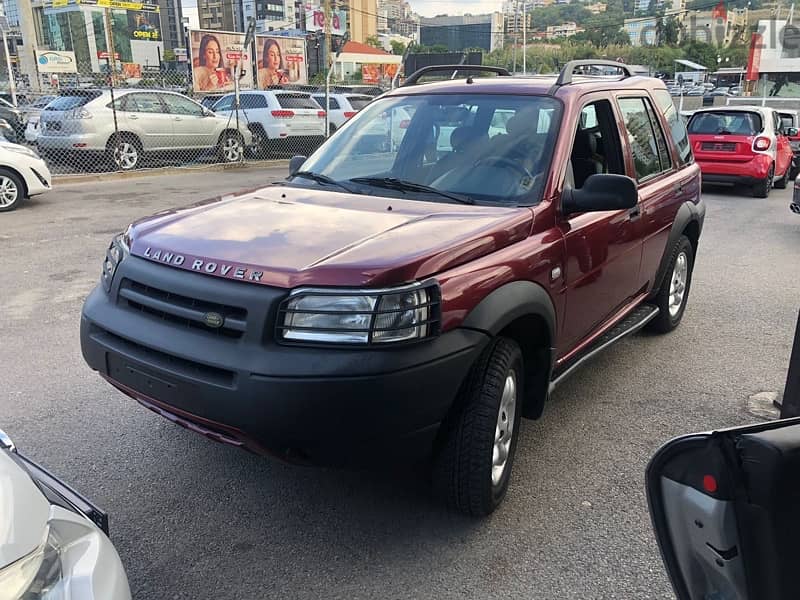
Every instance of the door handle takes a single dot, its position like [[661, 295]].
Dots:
[[133, 116], [634, 213], [178, 119]]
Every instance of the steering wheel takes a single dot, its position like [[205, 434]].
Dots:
[[506, 162]]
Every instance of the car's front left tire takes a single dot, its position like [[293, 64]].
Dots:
[[12, 190], [478, 439]]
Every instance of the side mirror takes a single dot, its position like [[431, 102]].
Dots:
[[724, 507], [791, 131], [296, 163], [601, 192]]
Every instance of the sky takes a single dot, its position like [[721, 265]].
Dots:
[[426, 8]]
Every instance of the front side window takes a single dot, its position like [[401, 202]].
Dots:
[[178, 105], [144, 103], [489, 148], [677, 127]]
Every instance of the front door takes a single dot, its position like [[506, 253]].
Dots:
[[145, 115], [603, 249], [191, 127]]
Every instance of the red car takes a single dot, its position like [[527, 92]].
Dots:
[[744, 145], [412, 291]]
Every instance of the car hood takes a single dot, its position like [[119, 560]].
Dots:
[[23, 511], [286, 236]]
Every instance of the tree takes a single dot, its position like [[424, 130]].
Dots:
[[169, 55], [397, 47], [374, 42], [670, 31]]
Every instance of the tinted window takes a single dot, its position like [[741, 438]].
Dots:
[[333, 102], [787, 121], [359, 102], [296, 101], [726, 123], [72, 101], [253, 101], [144, 103], [677, 127], [225, 103], [178, 105], [661, 142], [642, 141]]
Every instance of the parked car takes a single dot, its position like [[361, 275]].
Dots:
[[675, 90], [794, 206], [736, 90], [7, 132], [22, 175], [209, 100], [789, 121], [31, 114], [342, 107], [14, 116], [742, 145], [719, 92], [419, 300], [281, 120], [698, 90], [81, 123], [53, 541]]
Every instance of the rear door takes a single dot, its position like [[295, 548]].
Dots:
[[303, 116], [191, 128], [724, 136], [144, 114]]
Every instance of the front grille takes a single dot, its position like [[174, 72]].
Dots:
[[719, 146], [184, 311]]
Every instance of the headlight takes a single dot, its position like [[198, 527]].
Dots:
[[360, 316], [117, 250], [37, 575]]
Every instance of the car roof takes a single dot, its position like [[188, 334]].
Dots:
[[529, 85]]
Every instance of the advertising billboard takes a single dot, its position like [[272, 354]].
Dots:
[[215, 56], [144, 25], [315, 20], [52, 61], [281, 60]]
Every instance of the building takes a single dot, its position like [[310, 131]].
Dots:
[[10, 10], [362, 19], [641, 7], [269, 15], [396, 17], [567, 29], [514, 23], [224, 15], [641, 31], [172, 24], [719, 26], [461, 32], [596, 8]]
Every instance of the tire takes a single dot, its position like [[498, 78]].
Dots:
[[332, 129], [12, 190], [230, 147], [124, 152], [670, 315], [464, 473], [793, 171], [260, 141], [783, 181], [763, 187]]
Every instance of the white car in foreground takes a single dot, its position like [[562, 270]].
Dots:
[[22, 174], [53, 542]]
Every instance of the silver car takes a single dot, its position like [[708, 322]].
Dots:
[[85, 122]]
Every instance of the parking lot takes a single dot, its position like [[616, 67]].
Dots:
[[194, 519]]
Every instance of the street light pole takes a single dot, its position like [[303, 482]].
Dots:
[[524, 37], [11, 82]]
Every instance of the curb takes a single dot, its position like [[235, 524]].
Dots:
[[160, 171]]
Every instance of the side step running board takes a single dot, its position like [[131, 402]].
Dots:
[[633, 322]]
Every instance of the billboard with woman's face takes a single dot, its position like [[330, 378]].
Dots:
[[214, 56], [281, 60]]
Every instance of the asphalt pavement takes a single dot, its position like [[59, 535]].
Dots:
[[194, 519]]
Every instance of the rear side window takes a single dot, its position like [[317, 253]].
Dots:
[[224, 103], [333, 103], [358, 102], [72, 101], [786, 121], [296, 101], [642, 137], [726, 123], [677, 127], [253, 101]]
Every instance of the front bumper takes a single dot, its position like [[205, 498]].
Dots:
[[747, 172], [303, 404]]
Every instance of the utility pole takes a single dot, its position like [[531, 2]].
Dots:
[[524, 37], [112, 59], [516, 32], [11, 82], [27, 61], [328, 63]]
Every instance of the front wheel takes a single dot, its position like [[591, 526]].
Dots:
[[783, 181], [478, 439], [231, 147], [674, 291], [125, 152], [12, 190], [763, 187]]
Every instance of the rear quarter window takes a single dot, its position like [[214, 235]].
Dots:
[[68, 102], [296, 101], [677, 125], [358, 102]]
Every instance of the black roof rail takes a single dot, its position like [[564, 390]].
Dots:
[[418, 74], [565, 77]]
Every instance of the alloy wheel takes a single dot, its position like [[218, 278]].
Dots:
[[126, 155], [231, 149], [504, 430], [677, 288], [9, 192]]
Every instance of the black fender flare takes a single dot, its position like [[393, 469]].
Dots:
[[687, 213], [508, 303]]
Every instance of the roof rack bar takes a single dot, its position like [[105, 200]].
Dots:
[[418, 74], [565, 77]]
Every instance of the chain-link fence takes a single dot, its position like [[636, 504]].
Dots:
[[90, 122]]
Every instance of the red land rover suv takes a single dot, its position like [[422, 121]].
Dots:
[[420, 283]]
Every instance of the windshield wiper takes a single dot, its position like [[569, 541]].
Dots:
[[323, 179], [402, 185]]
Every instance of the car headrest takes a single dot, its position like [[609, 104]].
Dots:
[[585, 145]]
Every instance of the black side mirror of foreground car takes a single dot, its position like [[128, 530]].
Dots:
[[726, 511], [791, 131], [296, 163], [604, 191]]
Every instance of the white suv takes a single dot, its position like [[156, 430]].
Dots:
[[342, 107], [281, 120]]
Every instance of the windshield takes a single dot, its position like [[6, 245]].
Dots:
[[726, 123], [489, 148]]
